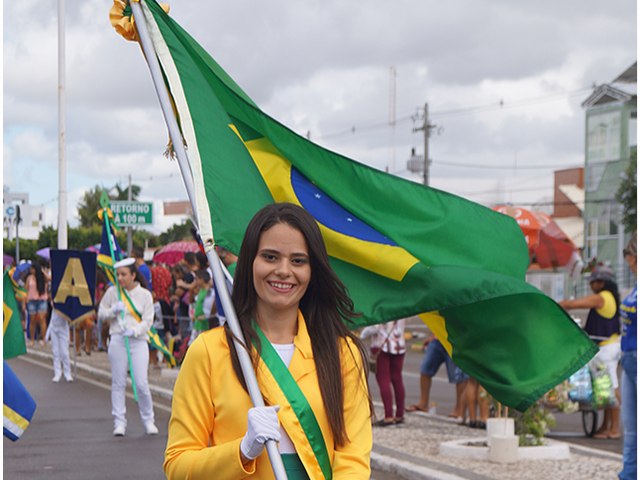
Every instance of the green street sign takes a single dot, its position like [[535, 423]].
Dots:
[[132, 214]]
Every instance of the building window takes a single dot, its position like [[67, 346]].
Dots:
[[633, 132], [594, 173], [609, 219], [603, 136]]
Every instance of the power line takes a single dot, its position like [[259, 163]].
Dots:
[[497, 167], [155, 177], [500, 105]]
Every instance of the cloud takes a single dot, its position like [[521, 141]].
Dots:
[[322, 68]]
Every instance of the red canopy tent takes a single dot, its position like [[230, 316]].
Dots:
[[548, 245]]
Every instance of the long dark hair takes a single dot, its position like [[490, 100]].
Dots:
[[326, 307], [41, 282], [612, 287]]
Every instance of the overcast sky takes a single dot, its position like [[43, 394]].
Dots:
[[504, 81]]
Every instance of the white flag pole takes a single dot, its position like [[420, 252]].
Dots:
[[214, 261]]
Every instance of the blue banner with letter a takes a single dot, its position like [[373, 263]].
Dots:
[[73, 283]]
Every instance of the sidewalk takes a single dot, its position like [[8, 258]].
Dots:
[[410, 450]]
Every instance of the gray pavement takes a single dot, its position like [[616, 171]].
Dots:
[[410, 451]]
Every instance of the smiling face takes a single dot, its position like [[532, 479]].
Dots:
[[281, 271]]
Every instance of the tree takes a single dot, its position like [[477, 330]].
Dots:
[[90, 203], [48, 237], [177, 232], [122, 193], [627, 194]]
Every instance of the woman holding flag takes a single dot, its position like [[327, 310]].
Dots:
[[311, 369], [129, 309]]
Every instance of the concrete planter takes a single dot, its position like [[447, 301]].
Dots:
[[478, 449], [500, 426], [503, 449]]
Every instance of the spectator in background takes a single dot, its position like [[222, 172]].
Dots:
[[230, 261], [629, 361], [603, 327], [103, 325], [476, 400], [84, 333], [203, 304], [142, 267], [389, 340], [162, 281], [203, 262], [37, 297], [191, 262], [434, 356]]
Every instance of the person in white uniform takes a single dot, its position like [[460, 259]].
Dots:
[[58, 335], [124, 325]]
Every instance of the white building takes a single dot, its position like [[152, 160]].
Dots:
[[16, 205]]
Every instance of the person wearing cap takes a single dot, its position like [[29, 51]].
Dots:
[[629, 362], [130, 313], [603, 326]]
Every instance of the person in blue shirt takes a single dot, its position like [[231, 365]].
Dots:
[[143, 268], [629, 321]]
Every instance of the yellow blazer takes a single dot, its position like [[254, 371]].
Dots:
[[209, 414]]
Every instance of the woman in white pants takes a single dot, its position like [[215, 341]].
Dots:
[[132, 324], [58, 335]]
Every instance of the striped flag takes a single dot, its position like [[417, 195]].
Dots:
[[110, 251], [18, 405]]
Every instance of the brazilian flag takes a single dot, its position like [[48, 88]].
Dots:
[[110, 251], [13, 343], [401, 248]]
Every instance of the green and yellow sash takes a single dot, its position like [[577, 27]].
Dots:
[[152, 335], [297, 401]]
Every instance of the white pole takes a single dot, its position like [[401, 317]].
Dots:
[[62, 165], [214, 260]]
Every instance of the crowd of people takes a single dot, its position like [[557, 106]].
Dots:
[[184, 303]]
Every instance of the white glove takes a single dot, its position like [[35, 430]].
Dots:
[[129, 332], [262, 425], [117, 308]]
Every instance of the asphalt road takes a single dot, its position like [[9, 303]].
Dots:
[[70, 435]]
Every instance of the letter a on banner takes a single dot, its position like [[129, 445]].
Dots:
[[73, 283]]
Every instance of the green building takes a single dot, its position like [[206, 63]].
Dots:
[[611, 140]]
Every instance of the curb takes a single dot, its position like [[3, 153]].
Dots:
[[413, 468]]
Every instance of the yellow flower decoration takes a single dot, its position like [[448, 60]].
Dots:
[[121, 18]]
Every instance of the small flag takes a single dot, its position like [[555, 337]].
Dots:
[[13, 342], [110, 251], [157, 343], [18, 407]]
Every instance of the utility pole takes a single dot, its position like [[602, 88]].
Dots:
[[129, 229], [62, 163], [426, 129], [392, 115], [18, 220]]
